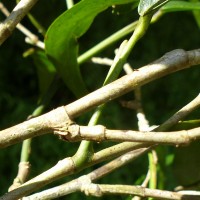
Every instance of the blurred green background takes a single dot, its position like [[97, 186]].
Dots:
[[19, 93]]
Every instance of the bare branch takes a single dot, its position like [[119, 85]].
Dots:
[[102, 189], [57, 118], [31, 38], [99, 133], [7, 27], [181, 114]]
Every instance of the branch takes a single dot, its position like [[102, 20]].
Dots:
[[31, 38], [7, 27], [182, 113], [99, 133], [169, 63], [99, 190]]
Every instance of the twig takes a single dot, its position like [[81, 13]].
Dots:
[[181, 114], [99, 133], [31, 38], [7, 27], [143, 124], [102, 61], [102, 189]]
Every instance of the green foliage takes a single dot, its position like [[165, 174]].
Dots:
[[62, 49]]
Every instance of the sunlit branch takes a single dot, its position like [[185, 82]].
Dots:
[[181, 114], [31, 38], [100, 190], [18, 13]]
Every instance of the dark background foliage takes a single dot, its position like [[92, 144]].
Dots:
[[161, 98]]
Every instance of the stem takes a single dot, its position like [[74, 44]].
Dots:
[[113, 38], [37, 25], [107, 42], [70, 3], [26, 146], [153, 171], [85, 151]]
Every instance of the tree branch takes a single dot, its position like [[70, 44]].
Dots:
[[181, 114], [99, 190], [100, 133], [18, 13]]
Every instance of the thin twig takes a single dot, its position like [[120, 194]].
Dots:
[[31, 38], [100, 133], [18, 13], [181, 114], [100, 190]]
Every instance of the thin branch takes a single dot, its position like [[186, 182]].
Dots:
[[75, 185], [169, 63], [100, 190], [143, 124], [31, 38], [181, 114], [18, 13], [100, 133]]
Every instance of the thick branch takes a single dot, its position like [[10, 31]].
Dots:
[[46, 123], [7, 27], [169, 63]]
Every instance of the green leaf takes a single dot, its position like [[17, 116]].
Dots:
[[45, 70], [180, 6], [146, 6], [61, 40]]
